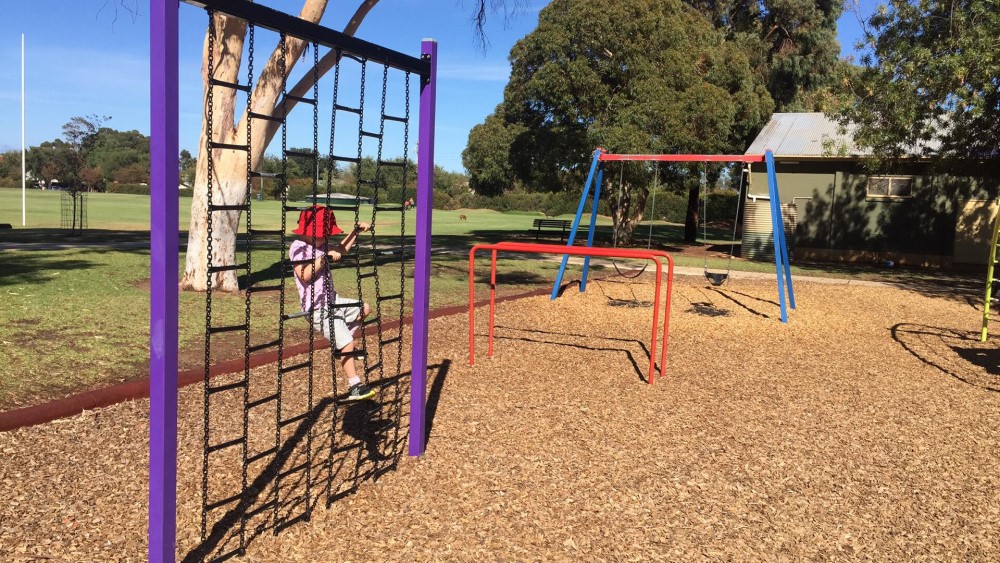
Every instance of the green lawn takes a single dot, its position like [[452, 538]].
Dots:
[[77, 318]]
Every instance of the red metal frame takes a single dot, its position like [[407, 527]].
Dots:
[[684, 157], [555, 249]]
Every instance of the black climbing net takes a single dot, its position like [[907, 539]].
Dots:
[[277, 445]]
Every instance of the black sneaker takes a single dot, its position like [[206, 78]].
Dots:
[[359, 392]]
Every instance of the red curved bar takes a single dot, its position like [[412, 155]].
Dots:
[[683, 157], [532, 248]]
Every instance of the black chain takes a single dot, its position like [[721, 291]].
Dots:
[[377, 185], [329, 289], [325, 274], [357, 208], [208, 257], [249, 245], [402, 226], [284, 267]]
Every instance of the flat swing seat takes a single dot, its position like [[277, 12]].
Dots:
[[716, 278]]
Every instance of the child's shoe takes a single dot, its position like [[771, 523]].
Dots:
[[359, 392]]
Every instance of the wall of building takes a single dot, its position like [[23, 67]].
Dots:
[[837, 219]]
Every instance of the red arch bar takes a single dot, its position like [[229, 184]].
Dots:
[[685, 157], [530, 248]]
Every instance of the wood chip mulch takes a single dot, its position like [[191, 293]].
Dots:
[[868, 427]]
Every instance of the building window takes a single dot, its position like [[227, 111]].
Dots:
[[890, 187]]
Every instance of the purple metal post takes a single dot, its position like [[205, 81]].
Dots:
[[422, 262], [163, 239]]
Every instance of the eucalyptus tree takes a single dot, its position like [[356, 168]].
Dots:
[[929, 82]]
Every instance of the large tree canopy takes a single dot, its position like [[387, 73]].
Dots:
[[793, 43], [930, 81], [641, 76]]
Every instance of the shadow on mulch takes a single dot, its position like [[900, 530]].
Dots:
[[748, 308], [315, 463], [924, 343], [709, 309], [640, 375]]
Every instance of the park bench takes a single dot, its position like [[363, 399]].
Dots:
[[562, 225]]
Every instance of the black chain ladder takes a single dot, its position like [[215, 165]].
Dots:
[[256, 286], [402, 224], [287, 265], [210, 96], [249, 247], [357, 214], [312, 271], [283, 186], [211, 270], [330, 164], [377, 185], [402, 251]]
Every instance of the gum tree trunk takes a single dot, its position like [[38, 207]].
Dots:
[[627, 210]]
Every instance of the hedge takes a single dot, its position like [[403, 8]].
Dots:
[[134, 189], [670, 206]]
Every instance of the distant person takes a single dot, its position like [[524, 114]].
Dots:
[[312, 278]]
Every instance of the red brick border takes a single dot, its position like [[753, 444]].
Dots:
[[107, 396]]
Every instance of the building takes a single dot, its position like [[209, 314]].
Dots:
[[923, 213]]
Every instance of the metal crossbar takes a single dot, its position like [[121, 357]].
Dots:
[[280, 22], [684, 157]]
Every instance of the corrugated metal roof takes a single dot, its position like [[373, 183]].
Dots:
[[803, 134], [815, 135]]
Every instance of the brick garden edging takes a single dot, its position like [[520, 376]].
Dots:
[[139, 389]]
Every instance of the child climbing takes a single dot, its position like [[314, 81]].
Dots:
[[312, 253]]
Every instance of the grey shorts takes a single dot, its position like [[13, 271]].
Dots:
[[346, 322]]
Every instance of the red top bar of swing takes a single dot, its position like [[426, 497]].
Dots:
[[685, 157]]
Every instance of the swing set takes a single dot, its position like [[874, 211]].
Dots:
[[592, 192]]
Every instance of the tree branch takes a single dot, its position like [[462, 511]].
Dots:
[[328, 61], [269, 89]]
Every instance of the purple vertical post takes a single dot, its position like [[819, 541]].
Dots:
[[422, 262], [163, 235]]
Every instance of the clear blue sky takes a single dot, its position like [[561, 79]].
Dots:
[[88, 57]]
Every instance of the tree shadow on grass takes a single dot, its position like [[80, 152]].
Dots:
[[88, 237], [27, 268], [952, 352]]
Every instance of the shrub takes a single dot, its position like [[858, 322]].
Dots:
[[134, 189]]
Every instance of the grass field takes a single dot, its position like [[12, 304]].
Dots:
[[77, 318]]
